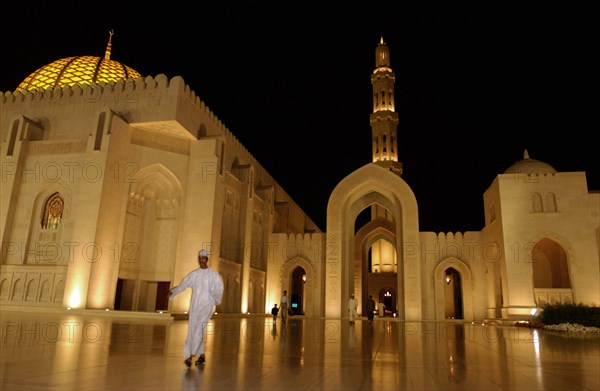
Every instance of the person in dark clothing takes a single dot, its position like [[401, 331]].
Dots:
[[274, 312], [370, 309]]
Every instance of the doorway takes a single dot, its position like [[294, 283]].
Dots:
[[453, 301], [387, 296], [297, 296]]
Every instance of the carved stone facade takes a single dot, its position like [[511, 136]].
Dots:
[[146, 175]]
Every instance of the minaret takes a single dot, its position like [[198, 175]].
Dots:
[[384, 120]]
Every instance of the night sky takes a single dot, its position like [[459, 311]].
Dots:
[[477, 82]]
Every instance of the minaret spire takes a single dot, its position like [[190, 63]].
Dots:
[[384, 119], [109, 45]]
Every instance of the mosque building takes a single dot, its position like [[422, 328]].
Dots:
[[112, 182]]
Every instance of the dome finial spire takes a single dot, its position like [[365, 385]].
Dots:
[[109, 45], [526, 154]]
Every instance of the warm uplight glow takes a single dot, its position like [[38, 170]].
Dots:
[[244, 302], [448, 279], [271, 299], [75, 298], [304, 278], [383, 255]]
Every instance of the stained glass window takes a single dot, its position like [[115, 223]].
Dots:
[[53, 210]]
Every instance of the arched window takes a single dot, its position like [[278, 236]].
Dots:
[[550, 202], [53, 210], [537, 202]]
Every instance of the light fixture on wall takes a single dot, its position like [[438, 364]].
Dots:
[[304, 278], [448, 279]]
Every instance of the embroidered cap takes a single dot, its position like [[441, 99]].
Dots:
[[203, 253]]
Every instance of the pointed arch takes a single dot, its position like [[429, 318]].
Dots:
[[551, 261], [53, 211], [380, 236], [59, 290], [149, 244], [45, 291], [48, 219], [17, 290], [31, 290], [466, 278], [312, 304], [371, 185], [156, 180], [375, 260], [550, 266]]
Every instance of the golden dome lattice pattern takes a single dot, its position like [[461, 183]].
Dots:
[[79, 70]]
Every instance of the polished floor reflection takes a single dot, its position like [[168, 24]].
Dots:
[[99, 352]]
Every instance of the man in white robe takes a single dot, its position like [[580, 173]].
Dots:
[[352, 309], [207, 291], [283, 307]]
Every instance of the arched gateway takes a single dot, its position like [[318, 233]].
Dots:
[[390, 199]]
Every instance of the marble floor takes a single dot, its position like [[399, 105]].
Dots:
[[99, 351]]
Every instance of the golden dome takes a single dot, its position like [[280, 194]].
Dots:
[[80, 70]]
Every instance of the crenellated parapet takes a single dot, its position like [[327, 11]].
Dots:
[[157, 107], [304, 239], [466, 246], [121, 91], [139, 100], [309, 246], [530, 178]]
